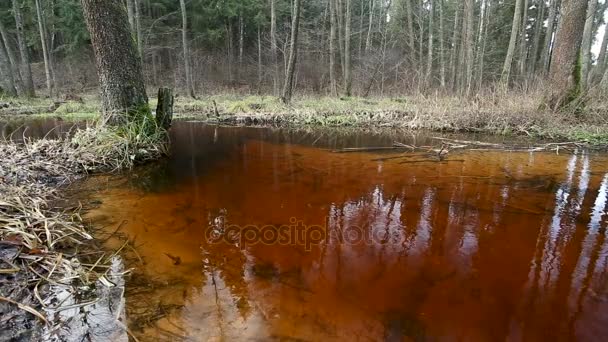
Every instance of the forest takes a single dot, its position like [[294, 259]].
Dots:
[[323, 47], [446, 160]]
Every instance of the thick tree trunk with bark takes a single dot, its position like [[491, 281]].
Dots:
[[26, 67], [293, 53], [123, 93], [506, 69], [186, 50], [565, 73]]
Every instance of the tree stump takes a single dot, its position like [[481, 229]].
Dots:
[[164, 109]]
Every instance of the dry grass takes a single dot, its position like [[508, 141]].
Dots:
[[40, 244], [493, 112]]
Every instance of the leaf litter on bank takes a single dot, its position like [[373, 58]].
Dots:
[[42, 246]]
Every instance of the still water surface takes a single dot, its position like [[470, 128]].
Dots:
[[487, 246]]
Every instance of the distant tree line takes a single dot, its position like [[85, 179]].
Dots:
[[330, 47]]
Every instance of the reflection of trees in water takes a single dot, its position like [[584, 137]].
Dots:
[[568, 259], [446, 241]]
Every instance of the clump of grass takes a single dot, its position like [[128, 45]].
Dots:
[[45, 244]]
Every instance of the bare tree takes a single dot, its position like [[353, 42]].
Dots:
[[13, 64], [25, 56], [118, 64], [506, 69], [587, 40], [441, 46], [523, 51], [45, 49], [140, 41], [185, 49], [368, 41], [548, 43], [429, 62], [600, 68], [6, 73], [293, 53], [332, 49], [348, 83], [565, 74], [273, 46], [538, 25], [454, 49]]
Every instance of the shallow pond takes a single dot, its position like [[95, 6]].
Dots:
[[257, 234]]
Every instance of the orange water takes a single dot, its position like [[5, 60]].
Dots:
[[487, 246]]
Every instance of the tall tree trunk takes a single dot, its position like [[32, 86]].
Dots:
[[45, 52], [118, 64], [293, 53], [347, 53], [538, 24], [273, 47], [410, 33], [506, 69], [441, 46], [429, 62], [600, 68], [140, 37], [523, 46], [332, 49], [455, 44], [12, 60], [481, 40], [241, 45], [131, 14], [361, 23], [260, 75], [548, 43], [186, 50], [565, 72], [5, 72], [368, 41], [468, 44], [587, 41], [25, 56]]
